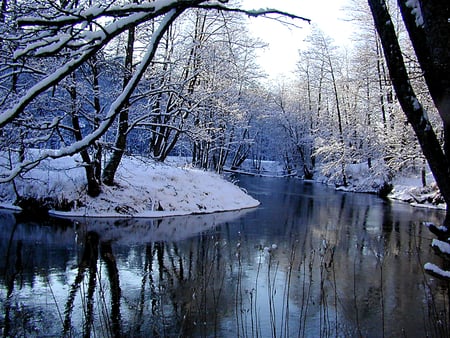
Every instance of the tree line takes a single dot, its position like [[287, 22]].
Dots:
[[180, 77]]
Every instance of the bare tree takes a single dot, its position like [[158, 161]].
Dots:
[[429, 31], [61, 34], [122, 130]]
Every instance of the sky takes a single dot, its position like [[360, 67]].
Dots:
[[278, 60]]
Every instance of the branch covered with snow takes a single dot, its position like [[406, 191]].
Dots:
[[441, 231], [85, 43], [436, 271], [114, 109], [441, 247], [253, 12]]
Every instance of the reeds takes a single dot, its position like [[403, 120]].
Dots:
[[220, 284]]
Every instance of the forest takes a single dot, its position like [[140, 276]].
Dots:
[[162, 78], [107, 84]]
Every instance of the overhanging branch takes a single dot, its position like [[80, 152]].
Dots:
[[253, 12]]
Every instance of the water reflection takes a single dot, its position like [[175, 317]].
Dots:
[[308, 262]]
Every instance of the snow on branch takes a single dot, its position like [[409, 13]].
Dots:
[[75, 38], [441, 247], [252, 12], [84, 42], [114, 109], [436, 271], [440, 231], [416, 11], [92, 42], [91, 14]]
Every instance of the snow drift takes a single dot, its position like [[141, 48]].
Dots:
[[143, 188]]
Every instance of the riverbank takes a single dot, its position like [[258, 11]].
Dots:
[[406, 186], [143, 188], [146, 188]]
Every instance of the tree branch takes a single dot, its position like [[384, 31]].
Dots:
[[253, 12], [114, 110], [100, 40]]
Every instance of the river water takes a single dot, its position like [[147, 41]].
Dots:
[[309, 262]]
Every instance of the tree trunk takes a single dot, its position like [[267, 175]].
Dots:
[[97, 107], [413, 110], [122, 130], [93, 186], [339, 115], [429, 31]]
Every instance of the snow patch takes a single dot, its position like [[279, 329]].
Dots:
[[416, 11], [143, 188], [434, 269], [408, 188]]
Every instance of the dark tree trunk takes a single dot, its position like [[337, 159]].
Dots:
[[97, 106], [121, 137], [88, 261], [93, 185], [114, 281], [413, 110], [430, 36]]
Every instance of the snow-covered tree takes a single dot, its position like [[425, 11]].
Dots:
[[429, 31], [52, 44]]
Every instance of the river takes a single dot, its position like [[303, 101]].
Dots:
[[309, 262]]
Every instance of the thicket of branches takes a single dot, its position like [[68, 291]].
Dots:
[[102, 79], [179, 77]]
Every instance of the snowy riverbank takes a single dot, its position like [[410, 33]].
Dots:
[[144, 188], [405, 187]]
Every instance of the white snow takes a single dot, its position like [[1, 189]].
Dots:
[[440, 228], [144, 188], [442, 246], [433, 268], [360, 177], [416, 11], [408, 188]]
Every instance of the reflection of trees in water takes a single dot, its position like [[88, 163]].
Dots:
[[11, 273], [357, 273], [113, 276], [88, 265], [181, 287], [336, 271]]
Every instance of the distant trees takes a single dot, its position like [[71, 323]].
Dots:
[[338, 99], [345, 116]]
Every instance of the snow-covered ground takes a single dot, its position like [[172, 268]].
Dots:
[[409, 189], [406, 187], [144, 188]]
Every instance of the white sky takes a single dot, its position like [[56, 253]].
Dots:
[[280, 57]]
